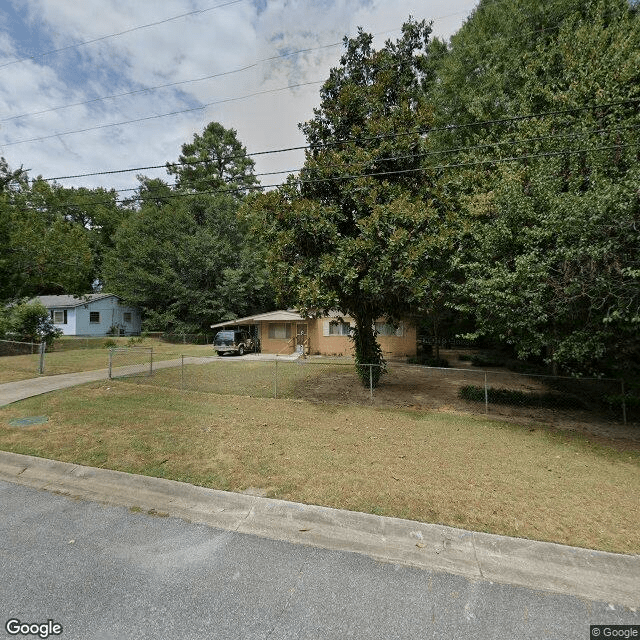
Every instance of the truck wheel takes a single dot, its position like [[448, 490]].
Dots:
[[240, 350], [220, 353]]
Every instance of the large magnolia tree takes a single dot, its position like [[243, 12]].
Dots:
[[361, 231]]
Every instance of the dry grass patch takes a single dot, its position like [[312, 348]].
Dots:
[[13, 368], [457, 470]]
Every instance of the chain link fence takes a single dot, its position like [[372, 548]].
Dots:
[[187, 338], [15, 348], [494, 393], [25, 357]]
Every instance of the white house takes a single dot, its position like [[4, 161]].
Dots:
[[93, 314]]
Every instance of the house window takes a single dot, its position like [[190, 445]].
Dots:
[[127, 316], [339, 328], [94, 317], [59, 317], [386, 329], [279, 331]]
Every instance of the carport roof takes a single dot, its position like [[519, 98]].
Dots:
[[271, 316]]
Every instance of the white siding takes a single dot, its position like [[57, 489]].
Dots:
[[111, 314], [68, 329]]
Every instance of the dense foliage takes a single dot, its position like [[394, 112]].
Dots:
[[491, 184], [360, 232], [551, 252], [178, 252], [28, 322], [182, 254]]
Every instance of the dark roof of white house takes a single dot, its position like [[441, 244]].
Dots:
[[72, 301]]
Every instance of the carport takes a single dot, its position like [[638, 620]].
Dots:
[[277, 331]]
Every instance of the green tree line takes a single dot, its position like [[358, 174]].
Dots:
[[179, 252], [497, 183], [490, 182]]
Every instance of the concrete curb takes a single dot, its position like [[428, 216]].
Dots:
[[594, 575]]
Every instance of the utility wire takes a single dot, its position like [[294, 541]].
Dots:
[[355, 176], [234, 71], [317, 147], [161, 115], [413, 156], [120, 33], [171, 84]]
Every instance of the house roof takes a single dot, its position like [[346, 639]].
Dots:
[[72, 301], [272, 316]]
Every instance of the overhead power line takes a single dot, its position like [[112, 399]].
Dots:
[[222, 73], [356, 176], [413, 156], [172, 84], [161, 115], [444, 128], [120, 33]]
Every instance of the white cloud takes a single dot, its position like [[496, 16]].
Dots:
[[188, 48]]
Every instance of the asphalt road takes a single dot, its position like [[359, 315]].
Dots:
[[110, 572]]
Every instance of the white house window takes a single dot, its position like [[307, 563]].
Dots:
[[59, 317], [94, 317], [279, 331], [386, 329], [336, 328], [127, 316]]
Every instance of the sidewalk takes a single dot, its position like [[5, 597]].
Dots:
[[14, 391], [22, 389], [593, 575]]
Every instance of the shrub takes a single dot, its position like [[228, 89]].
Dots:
[[486, 360], [30, 322], [110, 343], [428, 361], [520, 398]]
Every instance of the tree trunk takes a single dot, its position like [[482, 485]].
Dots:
[[368, 351]]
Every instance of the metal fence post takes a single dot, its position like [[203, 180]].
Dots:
[[110, 361], [182, 374], [275, 387], [43, 346], [371, 381], [151, 362], [624, 405], [486, 394]]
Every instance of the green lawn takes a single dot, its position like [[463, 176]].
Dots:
[[532, 482]]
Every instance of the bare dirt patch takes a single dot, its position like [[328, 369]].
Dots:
[[423, 388]]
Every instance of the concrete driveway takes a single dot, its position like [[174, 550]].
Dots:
[[22, 389]]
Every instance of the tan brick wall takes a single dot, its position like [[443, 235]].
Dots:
[[399, 346], [392, 346], [327, 345], [270, 345]]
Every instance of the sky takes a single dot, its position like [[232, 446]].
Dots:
[[89, 86]]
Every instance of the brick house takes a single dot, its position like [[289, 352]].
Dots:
[[287, 332]]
